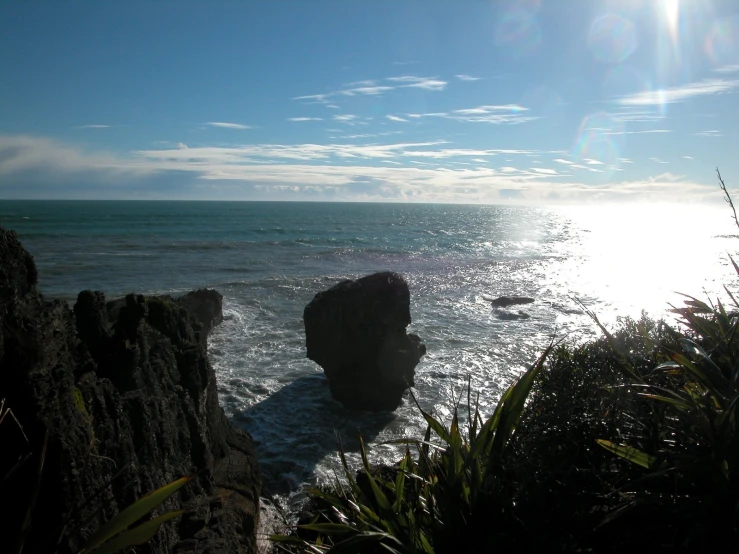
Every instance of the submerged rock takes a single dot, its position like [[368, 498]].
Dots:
[[511, 316], [505, 301], [356, 331], [124, 397]]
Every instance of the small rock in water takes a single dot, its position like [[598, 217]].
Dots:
[[505, 301]]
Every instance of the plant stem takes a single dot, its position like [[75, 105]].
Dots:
[[728, 197]]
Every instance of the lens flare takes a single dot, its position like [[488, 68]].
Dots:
[[722, 42], [518, 29], [597, 146], [622, 80], [545, 102], [612, 38]]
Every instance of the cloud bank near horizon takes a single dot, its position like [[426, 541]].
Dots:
[[420, 172]]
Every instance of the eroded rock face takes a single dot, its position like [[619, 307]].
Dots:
[[206, 306], [356, 331], [126, 397]]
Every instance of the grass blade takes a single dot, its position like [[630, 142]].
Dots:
[[138, 535], [633, 455], [133, 513]]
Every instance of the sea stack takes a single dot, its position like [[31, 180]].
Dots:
[[356, 331]]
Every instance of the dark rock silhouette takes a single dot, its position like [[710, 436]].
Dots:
[[124, 398], [356, 331], [206, 306], [505, 301]]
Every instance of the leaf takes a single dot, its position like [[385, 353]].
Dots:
[[513, 405], [668, 365], [353, 544], [433, 423], [133, 513], [400, 481], [488, 429], [692, 348], [680, 404], [380, 497], [716, 384], [736, 267], [303, 544], [328, 528], [633, 455], [138, 535]]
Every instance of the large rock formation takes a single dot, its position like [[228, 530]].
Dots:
[[124, 398], [356, 331]]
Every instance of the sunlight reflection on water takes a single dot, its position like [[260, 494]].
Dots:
[[635, 258]]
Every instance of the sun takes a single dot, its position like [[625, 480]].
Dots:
[[671, 10]]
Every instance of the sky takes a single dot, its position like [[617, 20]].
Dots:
[[471, 101]]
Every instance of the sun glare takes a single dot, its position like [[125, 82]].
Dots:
[[672, 15]]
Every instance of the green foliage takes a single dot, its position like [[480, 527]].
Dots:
[[79, 402], [115, 535], [693, 461]]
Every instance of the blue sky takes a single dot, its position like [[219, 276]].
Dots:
[[525, 101]]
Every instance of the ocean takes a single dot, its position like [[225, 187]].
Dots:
[[269, 259]]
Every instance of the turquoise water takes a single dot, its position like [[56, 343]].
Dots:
[[270, 259]]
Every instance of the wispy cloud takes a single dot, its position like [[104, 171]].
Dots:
[[645, 132], [319, 98], [306, 152], [679, 94], [93, 126], [364, 83], [396, 118], [573, 165], [658, 161], [688, 157], [463, 77], [345, 118], [727, 69], [635, 115], [305, 119], [369, 91], [225, 125], [367, 135], [426, 83], [710, 133], [374, 87], [509, 114]]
